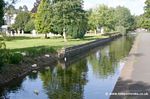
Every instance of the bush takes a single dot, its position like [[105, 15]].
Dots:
[[36, 51], [8, 57], [4, 56], [15, 58]]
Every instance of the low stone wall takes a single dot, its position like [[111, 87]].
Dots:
[[80, 49]]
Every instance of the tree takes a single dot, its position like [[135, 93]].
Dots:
[[1, 12], [147, 9], [63, 17], [29, 26], [69, 18], [102, 17], [123, 18], [93, 20], [145, 19], [35, 8], [43, 17], [21, 20], [25, 8]]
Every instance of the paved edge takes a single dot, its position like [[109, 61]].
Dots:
[[126, 72]]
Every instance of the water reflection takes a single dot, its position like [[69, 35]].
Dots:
[[105, 61], [65, 83], [89, 77]]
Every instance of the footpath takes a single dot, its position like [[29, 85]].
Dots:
[[134, 81]]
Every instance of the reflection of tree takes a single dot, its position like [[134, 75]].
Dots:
[[65, 84], [106, 64]]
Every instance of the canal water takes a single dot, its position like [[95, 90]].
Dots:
[[91, 76]]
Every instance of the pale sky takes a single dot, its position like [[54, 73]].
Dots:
[[136, 6]]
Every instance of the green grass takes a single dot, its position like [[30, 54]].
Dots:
[[38, 46], [56, 43]]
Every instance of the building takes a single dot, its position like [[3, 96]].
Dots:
[[8, 21]]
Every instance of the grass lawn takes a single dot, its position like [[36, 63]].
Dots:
[[55, 43], [38, 46]]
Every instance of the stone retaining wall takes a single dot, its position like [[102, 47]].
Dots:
[[80, 49]]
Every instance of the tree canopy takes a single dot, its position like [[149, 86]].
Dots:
[[1, 12], [43, 17], [110, 18], [21, 20], [61, 16]]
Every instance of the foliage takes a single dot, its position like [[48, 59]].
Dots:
[[10, 10], [121, 29], [110, 18], [35, 8], [71, 17], [1, 11], [29, 26], [4, 57], [21, 20], [147, 9], [92, 19], [2, 45], [43, 17], [123, 18], [59, 16], [8, 57], [15, 58], [105, 15], [37, 51], [143, 21]]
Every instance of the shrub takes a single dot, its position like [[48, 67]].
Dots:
[[15, 58], [4, 56], [36, 51]]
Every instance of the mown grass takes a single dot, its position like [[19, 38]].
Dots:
[[56, 43], [32, 47]]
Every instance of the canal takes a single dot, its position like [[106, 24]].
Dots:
[[91, 76]]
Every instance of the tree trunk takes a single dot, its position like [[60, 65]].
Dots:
[[45, 35], [64, 35]]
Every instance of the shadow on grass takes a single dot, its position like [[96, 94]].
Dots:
[[131, 87]]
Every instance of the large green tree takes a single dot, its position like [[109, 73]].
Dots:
[[147, 8], [61, 16], [69, 18], [102, 17], [145, 19], [93, 21], [1, 11], [105, 15], [43, 17], [123, 18], [21, 20]]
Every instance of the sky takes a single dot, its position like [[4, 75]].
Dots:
[[136, 6]]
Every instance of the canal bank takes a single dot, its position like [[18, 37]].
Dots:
[[134, 82], [74, 51], [88, 77], [33, 64]]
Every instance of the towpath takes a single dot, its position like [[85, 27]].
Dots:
[[134, 81]]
